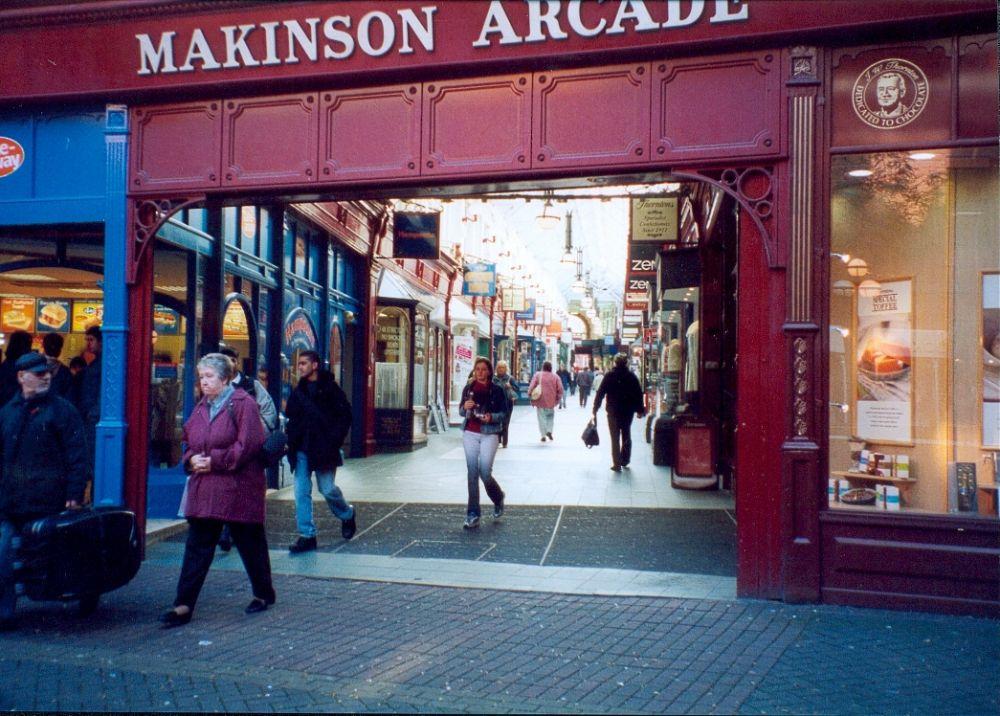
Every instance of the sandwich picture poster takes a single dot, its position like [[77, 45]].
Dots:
[[53, 315], [884, 363], [17, 314], [87, 314], [166, 321]]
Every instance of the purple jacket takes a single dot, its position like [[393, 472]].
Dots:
[[234, 488], [552, 389]]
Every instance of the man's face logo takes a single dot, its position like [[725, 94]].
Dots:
[[890, 93], [889, 89]]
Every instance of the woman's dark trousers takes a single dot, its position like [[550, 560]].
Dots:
[[203, 536]]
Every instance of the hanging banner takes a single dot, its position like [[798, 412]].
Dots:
[[479, 279], [654, 220], [990, 332], [884, 364], [528, 311], [416, 235], [53, 315], [513, 299], [464, 348]]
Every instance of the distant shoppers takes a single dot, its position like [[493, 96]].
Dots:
[[572, 383], [484, 405], [268, 416], [89, 399], [319, 417], [62, 379], [42, 463], [584, 379], [18, 344], [503, 378], [226, 487], [545, 403], [565, 378], [624, 394]]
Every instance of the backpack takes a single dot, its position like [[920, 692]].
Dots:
[[275, 444]]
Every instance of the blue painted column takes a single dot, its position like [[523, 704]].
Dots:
[[109, 466]]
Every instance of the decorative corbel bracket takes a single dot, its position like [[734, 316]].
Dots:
[[147, 217]]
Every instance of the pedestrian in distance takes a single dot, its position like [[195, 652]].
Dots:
[[572, 383], [565, 378], [224, 437], [62, 380], [584, 379], [43, 468], [268, 417], [18, 343], [503, 378], [624, 400], [548, 397], [484, 405], [319, 417], [89, 398]]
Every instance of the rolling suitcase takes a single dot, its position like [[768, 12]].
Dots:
[[78, 554]]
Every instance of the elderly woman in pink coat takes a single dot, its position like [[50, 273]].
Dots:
[[226, 487], [545, 404]]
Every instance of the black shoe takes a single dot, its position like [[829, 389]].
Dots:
[[471, 522], [616, 468], [350, 526], [543, 438], [171, 619], [225, 544], [88, 604], [255, 606], [550, 436], [498, 509], [302, 544]]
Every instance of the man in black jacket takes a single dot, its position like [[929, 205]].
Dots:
[[624, 395], [319, 417], [43, 466], [89, 398]]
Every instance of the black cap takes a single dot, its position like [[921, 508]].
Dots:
[[34, 362]]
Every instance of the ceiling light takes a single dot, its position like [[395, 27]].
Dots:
[[869, 287], [547, 219], [568, 257], [31, 277], [922, 156], [843, 287], [860, 173], [857, 267]]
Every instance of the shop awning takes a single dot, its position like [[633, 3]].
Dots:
[[462, 313], [391, 285]]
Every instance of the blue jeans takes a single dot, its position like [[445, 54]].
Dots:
[[303, 496], [8, 550], [480, 451]]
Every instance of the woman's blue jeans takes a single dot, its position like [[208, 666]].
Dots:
[[480, 450]]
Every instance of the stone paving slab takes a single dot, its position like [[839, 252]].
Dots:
[[342, 645]]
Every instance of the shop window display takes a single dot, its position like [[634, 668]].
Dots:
[[914, 325], [419, 361], [392, 358]]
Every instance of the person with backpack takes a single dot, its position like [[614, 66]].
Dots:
[[319, 417], [224, 438], [268, 416]]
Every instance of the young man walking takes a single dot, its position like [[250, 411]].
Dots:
[[319, 417]]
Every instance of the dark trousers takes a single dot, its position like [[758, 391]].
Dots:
[[203, 535], [506, 427], [584, 394], [621, 438]]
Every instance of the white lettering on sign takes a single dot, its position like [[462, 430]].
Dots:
[[642, 266], [11, 156], [405, 31]]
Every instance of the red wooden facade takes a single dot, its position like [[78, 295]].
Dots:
[[755, 114]]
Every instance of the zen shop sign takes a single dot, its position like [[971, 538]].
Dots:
[[400, 29]]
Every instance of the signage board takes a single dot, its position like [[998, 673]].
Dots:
[[17, 314], [479, 279], [528, 312], [166, 321], [53, 315], [513, 299], [654, 220], [641, 260], [416, 235], [11, 156], [87, 314]]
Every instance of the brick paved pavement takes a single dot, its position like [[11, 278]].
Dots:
[[338, 645]]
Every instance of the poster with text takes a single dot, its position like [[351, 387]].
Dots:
[[479, 279], [884, 363], [991, 360], [53, 315], [87, 314], [464, 348], [17, 314]]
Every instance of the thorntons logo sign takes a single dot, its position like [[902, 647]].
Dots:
[[402, 32]]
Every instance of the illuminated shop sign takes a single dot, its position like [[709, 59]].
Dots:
[[11, 156], [409, 30]]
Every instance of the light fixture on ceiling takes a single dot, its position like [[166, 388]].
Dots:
[[548, 219], [568, 256], [922, 156], [860, 173], [869, 287], [857, 268], [843, 287]]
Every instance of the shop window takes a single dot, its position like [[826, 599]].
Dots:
[[230, 225], [238, 330], [301, 252], [914, 339], [263, 316], [299, 335], [289, 247], [420, 361], [337, 353], [392, 358], [315, 248], [248, 228], [264, 248]]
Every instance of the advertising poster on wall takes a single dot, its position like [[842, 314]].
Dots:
[[17, 314], [166, 321], [884, 363], [479, 279], [87, 314], [990, 332], [464, 348], [53, 315]]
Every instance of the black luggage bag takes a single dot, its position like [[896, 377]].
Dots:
[[78, 554]]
